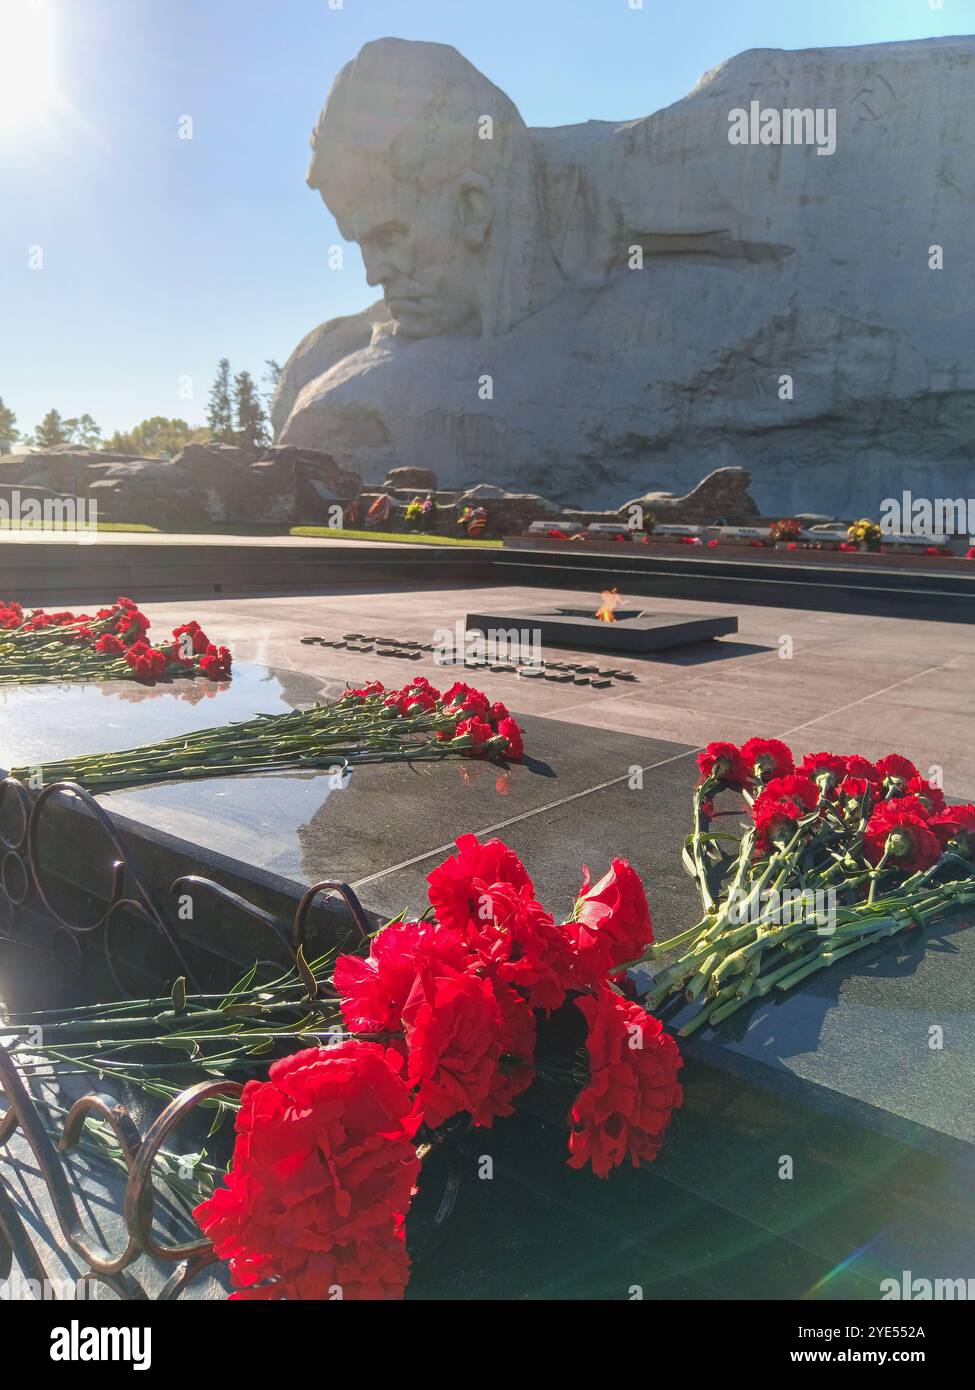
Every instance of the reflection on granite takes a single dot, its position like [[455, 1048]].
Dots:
[[47, 722], [387, 816]]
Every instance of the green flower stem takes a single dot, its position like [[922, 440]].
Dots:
[[707, 901], [700, 978], [665, 948], [827, 957], [764, 983], [327, 735]]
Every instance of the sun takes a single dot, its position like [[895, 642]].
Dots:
[[27, 60]]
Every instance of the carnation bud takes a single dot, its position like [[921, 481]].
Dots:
[[899, 844]]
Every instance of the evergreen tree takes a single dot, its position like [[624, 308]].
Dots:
[[251, 417], [220, 411], [9, 433], [272, 377], [50, 431]]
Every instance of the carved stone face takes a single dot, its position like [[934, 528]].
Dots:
[[427, 250]]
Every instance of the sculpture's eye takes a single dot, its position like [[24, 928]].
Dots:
[[384, 238]]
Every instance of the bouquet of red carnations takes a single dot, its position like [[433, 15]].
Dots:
[[440, 1025], [838, 854], [367, 725], [109, 645], [443, 1016]]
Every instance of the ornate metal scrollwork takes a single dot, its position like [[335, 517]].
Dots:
[[139, 1152], [25, 880]]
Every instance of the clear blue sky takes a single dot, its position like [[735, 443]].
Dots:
[[161, 255]]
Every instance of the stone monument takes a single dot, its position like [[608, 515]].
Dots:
[[775, 272]]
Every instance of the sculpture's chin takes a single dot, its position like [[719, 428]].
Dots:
[[415, 328], [418, 325]]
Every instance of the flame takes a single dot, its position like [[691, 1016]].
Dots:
[[610, 600]]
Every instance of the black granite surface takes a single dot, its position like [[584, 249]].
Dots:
[[631, 630]]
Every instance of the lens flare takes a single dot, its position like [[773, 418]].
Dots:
[[27, 60]]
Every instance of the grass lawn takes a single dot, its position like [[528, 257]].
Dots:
[[101, 526], [414, 539], [217, 528]]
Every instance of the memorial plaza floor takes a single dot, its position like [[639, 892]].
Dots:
[[839, 681]]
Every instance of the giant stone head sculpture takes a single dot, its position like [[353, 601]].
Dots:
[[430, 168]]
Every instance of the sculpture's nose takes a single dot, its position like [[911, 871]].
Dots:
[[379, 267]]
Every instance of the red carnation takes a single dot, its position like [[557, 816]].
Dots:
[[625, 1108], [457, 887], [109, 645], [323, 1173], [516, 1066], [895, 829], [417, 697], [955, 828], [862, 767], [798, 787], [824, 768], [476, 730], [471, 701], [723, 761], [366, 691], [858, 790], [132, 626], [374, 990], [767, 757], [931, 797], [896, 769], [508, 729], [147, 663], [453, 1036], [611, 922], [199, 641], [519, 943], [216, 663], [775, 823]]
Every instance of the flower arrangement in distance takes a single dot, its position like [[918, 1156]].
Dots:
[[109, 645], [473, 519], [865, 532], [785, 530]]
